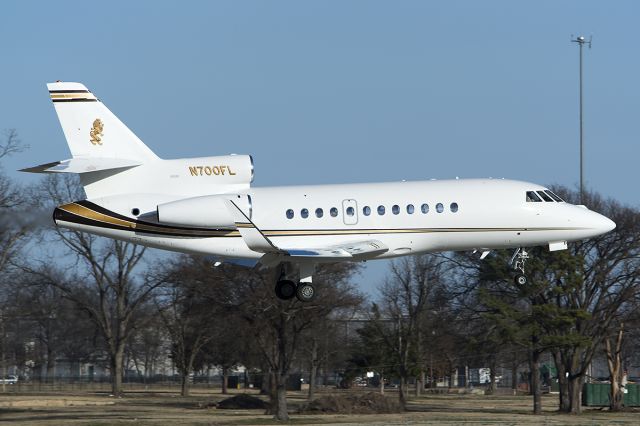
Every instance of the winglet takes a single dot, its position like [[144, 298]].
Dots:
[[250, 233]]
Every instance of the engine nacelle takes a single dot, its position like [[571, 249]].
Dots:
[[208, 211]]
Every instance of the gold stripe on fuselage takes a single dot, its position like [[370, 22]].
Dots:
[[244, 225], [87, 213]]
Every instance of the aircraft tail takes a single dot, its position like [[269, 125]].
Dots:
[[92, 131], [112, 161]]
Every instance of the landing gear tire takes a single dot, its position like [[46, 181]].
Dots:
[[305, 292], [520, 279], [518, 261], [285, 289]]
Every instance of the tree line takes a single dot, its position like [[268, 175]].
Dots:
[[68, 294]]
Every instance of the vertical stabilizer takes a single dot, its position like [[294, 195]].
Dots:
[[92, 131]]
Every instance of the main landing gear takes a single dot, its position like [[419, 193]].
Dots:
[[304, 290], [518, 260]]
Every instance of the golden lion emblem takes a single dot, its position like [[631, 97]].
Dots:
[[96, 132]]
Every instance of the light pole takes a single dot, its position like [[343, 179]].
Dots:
[[581, 42]]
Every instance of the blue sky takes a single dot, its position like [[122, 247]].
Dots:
[[341, 91]]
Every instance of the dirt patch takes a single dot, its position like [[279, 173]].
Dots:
[[54, 402], [243, 402], [368, 403]]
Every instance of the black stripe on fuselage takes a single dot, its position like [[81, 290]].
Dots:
[[74, 100], [69, 91], [97, 208]]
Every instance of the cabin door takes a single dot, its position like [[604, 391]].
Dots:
[[350, 211]]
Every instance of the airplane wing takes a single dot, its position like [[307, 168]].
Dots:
[[257, 241], [357, 250]]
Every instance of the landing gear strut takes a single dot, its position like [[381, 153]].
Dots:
[[518, 260], [304, 291]]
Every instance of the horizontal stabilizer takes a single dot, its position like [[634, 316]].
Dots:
[[83, 165]]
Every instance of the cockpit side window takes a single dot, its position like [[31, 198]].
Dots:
[[545, 196], [553, 195], [532, 197]]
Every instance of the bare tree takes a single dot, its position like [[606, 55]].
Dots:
[[104, 284], [277, 326], [148, 344], [327, 339], [188, 316], [12, 228], [613, 350], [13, 231], [404, 305]]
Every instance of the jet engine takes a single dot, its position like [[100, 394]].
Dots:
[[208, 211]]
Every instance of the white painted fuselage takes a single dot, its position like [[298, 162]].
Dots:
[[206, 205], [490, 214]]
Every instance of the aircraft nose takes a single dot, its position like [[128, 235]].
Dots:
[[602, 224]]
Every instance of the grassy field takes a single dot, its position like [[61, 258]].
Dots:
[[165, 407]]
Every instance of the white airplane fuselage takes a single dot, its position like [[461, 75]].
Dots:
[[490, 214], [207, 206]]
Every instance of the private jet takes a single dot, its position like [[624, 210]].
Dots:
[[207, 206]]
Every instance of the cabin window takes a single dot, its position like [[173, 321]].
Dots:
[[289, 214], [395, 209], [454, 207], [553, 195], [424, 208], [532, 197], [333, 212], [319, 213], [350, 211], [366, 210], [410, 208], [439, 208], [135, 211], [381, 210], [545, 196], [304, 213]]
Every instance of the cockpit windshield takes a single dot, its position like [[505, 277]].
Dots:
[[554, 196], [540, 196], [532, 197]]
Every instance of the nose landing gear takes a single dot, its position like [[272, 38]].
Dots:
[[520, 256]]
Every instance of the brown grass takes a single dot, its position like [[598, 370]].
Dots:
[[166, 407]]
